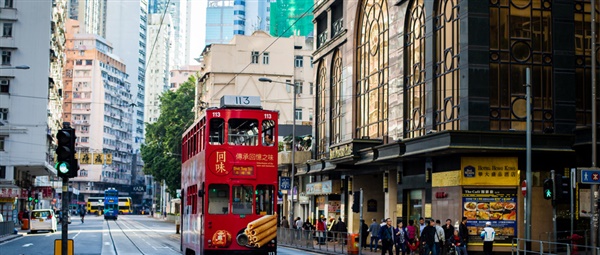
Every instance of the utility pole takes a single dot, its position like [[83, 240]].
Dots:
[[528, 175], [594, 191]]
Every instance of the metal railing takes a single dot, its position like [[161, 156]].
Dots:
[[331, 241], [7, 227], [545, 247]]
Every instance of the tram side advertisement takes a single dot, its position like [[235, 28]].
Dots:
[[498, 206]]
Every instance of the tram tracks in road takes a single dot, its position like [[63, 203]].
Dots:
[[112, 238], [145, 239]]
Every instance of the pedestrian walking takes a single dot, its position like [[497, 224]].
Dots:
[[321, 234], [488, 234], [448, 233], [439, 237], [365, 234], [400, 238], [386, 233], [428, 238], [411, 229], [82, 215], [463, 231], [374, 230], [342, 230]]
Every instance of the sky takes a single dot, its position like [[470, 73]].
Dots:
[[197, 29]]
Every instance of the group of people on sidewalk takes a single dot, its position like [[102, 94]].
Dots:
[[429, 237], [322, 230]]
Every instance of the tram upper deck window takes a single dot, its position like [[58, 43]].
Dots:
[[268, 132], [218, 199], [243, 132], [217, 130], [242, 199]]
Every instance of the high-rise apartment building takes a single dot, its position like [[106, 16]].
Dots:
[[180, 11], [127, 22], [159, 63], [292, 17], [226, 18], [97, 92], [30, 99], [91, 14]]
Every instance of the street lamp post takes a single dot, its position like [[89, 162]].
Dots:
[[293, 171]]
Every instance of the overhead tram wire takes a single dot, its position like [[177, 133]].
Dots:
[[162, 19], [277, 38]]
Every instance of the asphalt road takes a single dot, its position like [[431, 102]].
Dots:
[[129, 235]]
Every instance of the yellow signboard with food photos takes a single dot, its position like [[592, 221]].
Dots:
[[496, 171], [495, 205]]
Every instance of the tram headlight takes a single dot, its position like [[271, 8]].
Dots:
[[242, 239]]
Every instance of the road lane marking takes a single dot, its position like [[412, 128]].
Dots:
[[77, 234], [27, 245], [106, 243]]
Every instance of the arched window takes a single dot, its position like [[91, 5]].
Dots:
[[520, 38], [372, 76], [447, 76], [583, 61], [415, 71], [321, 110], [336, 100]]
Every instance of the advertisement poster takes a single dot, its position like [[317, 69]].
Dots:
[[498, 206]]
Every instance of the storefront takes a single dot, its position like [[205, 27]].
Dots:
[[327, 202]]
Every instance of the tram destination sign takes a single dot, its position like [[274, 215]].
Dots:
[[240, 101], [590, 176]]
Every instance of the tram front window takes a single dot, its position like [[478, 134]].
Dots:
[[242, 199], [218, 199]]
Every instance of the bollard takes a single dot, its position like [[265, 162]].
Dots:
[[177, 227]]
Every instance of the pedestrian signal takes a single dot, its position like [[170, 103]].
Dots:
[[548, 189]]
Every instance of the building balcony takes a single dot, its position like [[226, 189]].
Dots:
[[7, 42], [300, 157], [8, 14], [337, 27], [321, 39]]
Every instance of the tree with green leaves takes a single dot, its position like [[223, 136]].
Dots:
[[161, 150]]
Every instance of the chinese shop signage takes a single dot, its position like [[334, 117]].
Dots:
[[498, 206], [497, 171]]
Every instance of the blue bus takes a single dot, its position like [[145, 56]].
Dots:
[[111, 204]]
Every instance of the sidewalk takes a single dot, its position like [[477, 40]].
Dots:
[[20, 232]]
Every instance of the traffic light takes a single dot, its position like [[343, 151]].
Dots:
[[356, 202], [548, 189], [66, 164], [562, 188], [36, 199]]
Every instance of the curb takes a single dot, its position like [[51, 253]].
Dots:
[[10, 237], [311, 250]]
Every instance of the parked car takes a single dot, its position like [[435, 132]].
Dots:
[[42, 219]]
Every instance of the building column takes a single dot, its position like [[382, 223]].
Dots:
[[391, 196]]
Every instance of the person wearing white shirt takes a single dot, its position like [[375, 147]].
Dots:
[[488, 234]]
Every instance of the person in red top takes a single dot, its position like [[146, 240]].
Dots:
[[321, 230]]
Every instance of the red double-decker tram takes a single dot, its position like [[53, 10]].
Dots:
[[229, 180]]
